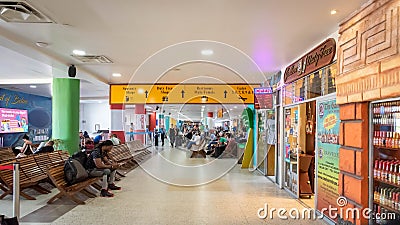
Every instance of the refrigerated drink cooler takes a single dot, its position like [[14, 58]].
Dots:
[[385, 156]]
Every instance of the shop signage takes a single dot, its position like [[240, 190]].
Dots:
[[263, 98], [328, 154], [319, 57], [182, 93]]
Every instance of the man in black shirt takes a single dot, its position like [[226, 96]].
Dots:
[[98, 165]]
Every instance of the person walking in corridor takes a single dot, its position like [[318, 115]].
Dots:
[[172, 134]]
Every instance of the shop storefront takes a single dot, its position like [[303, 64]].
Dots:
[[368, 95], [310, 128], [266, 104]]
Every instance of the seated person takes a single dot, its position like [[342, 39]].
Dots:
[[89, 144], [98, 138], [85, 134], [115, 140], [194, 141], [26, 148], [48, 147], [213, 141], [99, 165], [223, 141]]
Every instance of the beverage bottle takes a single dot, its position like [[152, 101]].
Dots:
[[376, 169], [378, 211], [390, 172], [395, 172], [383, 171], [398, 140], [378, 194], [383, 138]]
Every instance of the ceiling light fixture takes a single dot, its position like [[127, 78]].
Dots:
[[116, 75], [32, 86], [207, 52], [78, 52], [41, 44], [333, 11]]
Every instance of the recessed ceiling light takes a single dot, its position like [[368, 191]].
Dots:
[[235, 107], [116, 75], [333, 11], [32, 86], [207, 52], [78, 52]]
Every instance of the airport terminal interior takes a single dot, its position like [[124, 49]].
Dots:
[[200, 112]]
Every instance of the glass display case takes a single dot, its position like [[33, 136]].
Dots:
[[291, 146], [385, 151]]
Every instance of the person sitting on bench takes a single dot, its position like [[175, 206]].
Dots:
[[194, 141], [98, 165], [48, 147], [222, 143]]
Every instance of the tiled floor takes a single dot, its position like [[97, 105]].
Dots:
[[166, 190]]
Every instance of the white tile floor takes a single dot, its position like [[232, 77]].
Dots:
[[147, 198]]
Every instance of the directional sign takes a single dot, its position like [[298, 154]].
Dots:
[[182, 93]]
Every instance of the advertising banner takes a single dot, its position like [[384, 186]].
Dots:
[[328, 123], [140, 121], [13, 120]]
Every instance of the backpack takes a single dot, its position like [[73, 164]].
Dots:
[[74, 172], [81, 157]]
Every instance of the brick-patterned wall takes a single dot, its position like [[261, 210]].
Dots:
[[368, 53], [353, 156]]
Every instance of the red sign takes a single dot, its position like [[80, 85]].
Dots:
[[263, 98], [319, 57]]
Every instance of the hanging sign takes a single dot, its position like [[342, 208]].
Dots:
[[263, 98], [182, 93], [319, 57]]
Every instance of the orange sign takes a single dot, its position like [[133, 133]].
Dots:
[[182, 93]]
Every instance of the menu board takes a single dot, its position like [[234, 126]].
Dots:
[[328, 154], [263, 98], [13, 120]]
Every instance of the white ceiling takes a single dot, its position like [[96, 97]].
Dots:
[[250, 39]]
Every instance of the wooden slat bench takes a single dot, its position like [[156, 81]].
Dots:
[[198, 150], [122, 155], [56, 174], [6, 177], [6, 154]]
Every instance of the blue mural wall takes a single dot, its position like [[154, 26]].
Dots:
[[39, 116]]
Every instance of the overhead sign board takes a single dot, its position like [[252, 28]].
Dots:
[[263, 98], [319, 57], [182, 93]]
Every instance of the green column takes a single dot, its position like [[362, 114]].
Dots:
[[66, 94]]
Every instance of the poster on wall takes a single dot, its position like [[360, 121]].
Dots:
[[13, 120], [140, 121], [327, 154]]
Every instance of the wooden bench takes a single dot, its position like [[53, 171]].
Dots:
[[122, 155], [6, 176], [231, 150], [136, 145], [6, 154], [56, 175], [198, 150], [33, 171]]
